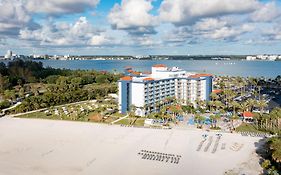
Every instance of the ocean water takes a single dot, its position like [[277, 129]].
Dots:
[[269, 69]]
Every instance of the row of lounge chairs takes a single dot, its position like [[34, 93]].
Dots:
[[158, 156], [216, 144], [145, 127], [209, 142], [255, 134]]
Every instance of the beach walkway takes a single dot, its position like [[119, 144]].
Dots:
[[119, 119]]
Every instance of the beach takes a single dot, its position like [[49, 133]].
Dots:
[[39, 147]]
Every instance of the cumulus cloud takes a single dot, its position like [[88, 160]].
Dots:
[[178, 36], [133, 16], [145, 41], [81, 33], [186, 12], [210, 24], [221, 28], [177, 22], [57, 7], [208, 28], [266, 13], [14, 16], [273, 34], [18, 14], [227, 32], [100, 40]]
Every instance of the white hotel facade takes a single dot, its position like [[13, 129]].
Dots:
[[146, 90]]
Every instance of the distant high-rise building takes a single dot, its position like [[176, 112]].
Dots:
[[9, 54]]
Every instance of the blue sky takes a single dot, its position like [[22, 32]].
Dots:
[[140, 27]]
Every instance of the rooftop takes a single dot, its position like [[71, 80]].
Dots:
[[126, 78], [201, 75], [248, 114], [217, 91], [158, 74], [159, 65]]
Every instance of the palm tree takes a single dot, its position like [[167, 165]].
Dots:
[[211, 105], [244, 106], [214, 119], [235, 105], [197, 101], [132, 112], [158, 105], [227, 94], [262, 104], [175, 109], [214, 96], [199, 120], [232, 118], [250, 103], [146, 108], [163, 114], [218, 105], [202, 104]]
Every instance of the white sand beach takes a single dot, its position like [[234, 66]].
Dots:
[[41, 147]]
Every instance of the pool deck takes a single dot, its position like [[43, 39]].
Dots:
[[39, 147]]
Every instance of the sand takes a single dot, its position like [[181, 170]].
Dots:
[[39, 147]]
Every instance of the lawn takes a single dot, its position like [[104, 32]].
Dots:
[[136, 121], [245, 127], [35, 115], [139, 122]]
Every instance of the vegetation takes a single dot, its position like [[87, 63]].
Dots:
[[246, 127], [4, 104], [269, 122], [104, 112], [272, 162], [199, 119], [40, 87], [214, 119]]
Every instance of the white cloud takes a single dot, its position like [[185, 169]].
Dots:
[[56, 7], [228, 32], [13, 16], [209, 24], [208, 28], [100, 40], [185, 12], [273, 34], [178, 35], [145, 41], [266, 13], [133, 16], [81, 33]]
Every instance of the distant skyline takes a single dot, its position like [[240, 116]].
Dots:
[[140, 27]]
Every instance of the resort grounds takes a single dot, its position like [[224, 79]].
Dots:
[[36, 146]]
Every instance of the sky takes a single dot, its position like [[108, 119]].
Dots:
[[140, 27]]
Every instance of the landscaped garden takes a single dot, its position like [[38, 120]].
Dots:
[[93, 111]]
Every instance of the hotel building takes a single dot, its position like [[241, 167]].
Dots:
[[148, 91]]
